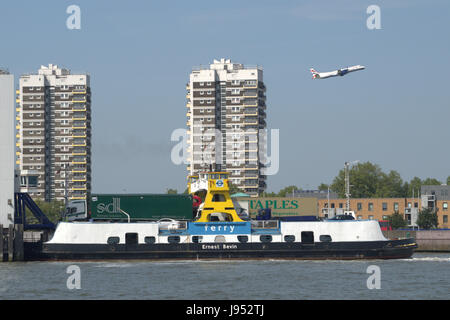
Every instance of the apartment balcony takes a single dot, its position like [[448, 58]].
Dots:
[[251, 111], [75, 127], [78, 100], [79, 135], [79, 144], [251, 120], [79, 153], [78, 118], [79, 108], [78, 189], [250, 103], [76, 170], [250, 93], [251, 185], [79, 91]]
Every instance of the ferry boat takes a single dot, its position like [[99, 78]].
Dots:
[[218, 232]]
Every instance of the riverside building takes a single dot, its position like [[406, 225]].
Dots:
[[226, 113], [54, 134]]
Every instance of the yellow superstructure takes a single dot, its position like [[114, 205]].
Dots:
[[218, 205]]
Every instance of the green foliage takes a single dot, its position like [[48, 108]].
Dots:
[[323, 187], [367, 180], [396, 220], [172, 191], [427, 219], [287, 191], [233, 188], [269, 194], [448, 180], [53, 210], [431, 182]]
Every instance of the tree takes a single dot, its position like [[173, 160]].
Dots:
[[413, 187], [390, 186], [269, 194], [427, 219], [52, 209], [323, 187], [431, 182], [172, 191], [448, 180], [287, 191], [396, 220], [233, 188], [365, 179]]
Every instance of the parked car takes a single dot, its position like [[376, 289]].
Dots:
[[342, 217]]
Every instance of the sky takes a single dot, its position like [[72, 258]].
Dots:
[[395, 113]]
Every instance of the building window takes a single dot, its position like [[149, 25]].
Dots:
[[325, 238], [242, 239], [173, 239], [395, 206], [359, 206], [113, 240], [385, 206], [409, 205], [359, 217], [332, 205], [445, 206], [289, 238], [341, 205], [416, 204], [370, 206], [445, 218], [370, 217], [149, 240], [265, 238]]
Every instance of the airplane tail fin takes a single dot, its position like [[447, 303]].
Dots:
[[314, 73]]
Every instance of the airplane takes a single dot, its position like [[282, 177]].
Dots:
[[340, 72]]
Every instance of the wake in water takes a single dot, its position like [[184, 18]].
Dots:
[[432, 259]]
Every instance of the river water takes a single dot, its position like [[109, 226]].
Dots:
[[424, 276]]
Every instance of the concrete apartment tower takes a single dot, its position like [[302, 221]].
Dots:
[[54, 134], [6, 149], [226, 105]]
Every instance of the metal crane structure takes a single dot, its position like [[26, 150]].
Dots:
[[347, 184]]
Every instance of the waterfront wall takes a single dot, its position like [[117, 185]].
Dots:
[[427, 240]]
